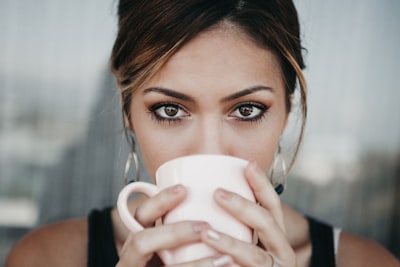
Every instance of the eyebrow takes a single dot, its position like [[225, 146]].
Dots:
[[175, 94], [247, 91], [168, 92]]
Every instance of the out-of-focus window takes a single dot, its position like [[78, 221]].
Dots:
[[348, 171], [62, 149], [53, 69]]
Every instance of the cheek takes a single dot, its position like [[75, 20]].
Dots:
[[262, 144], [153, 152], [158, 146], [262, 151]]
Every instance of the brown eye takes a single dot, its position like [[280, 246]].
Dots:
[[246, 111], [171, 110], [168, 111]]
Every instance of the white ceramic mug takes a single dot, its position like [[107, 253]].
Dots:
[[201, 175]]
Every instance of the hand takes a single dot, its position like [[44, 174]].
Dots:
[[266, 219], [140, 247]]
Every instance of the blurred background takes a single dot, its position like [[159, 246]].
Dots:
[[62, 149]]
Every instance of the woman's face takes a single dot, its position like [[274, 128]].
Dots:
[[219, 94]]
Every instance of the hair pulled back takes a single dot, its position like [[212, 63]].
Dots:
[[151, 31]]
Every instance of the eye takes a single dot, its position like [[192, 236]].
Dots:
[[168, 111], [248, 111]]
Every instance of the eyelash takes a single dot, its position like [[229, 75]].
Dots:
[[263, 110], [159, 119]]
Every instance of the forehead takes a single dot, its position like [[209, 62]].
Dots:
[[223, 57]]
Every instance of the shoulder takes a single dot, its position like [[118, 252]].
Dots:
[[353, 250], [60, 244], [358, 251]]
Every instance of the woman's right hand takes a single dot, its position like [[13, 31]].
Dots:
[[140, 247]]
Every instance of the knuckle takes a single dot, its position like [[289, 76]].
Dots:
[[144, 214], [240, 204], [136, 245], [287, 257], [230, 244], [178, 233], [141, 216], [132, 252], [291, 259], [163, 203], [260, 257], [266, 219], [275, 200], [153, 208]]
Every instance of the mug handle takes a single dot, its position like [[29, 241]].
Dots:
[[122, 203]]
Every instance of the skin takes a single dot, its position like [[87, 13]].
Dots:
[[205, 77]]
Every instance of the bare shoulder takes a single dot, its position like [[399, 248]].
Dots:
[[60, 244], [353, 250], [358, 251]]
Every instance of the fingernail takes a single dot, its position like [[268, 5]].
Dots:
[[222, 193], [175, 189], [222, 261], [199, 226], [212, 235]]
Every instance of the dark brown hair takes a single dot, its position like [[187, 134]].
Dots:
[[151, 31]]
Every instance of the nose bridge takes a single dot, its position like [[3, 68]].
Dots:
[[211, 136]]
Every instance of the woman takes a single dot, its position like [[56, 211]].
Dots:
[[209, 77]]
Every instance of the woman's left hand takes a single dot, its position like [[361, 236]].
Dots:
[[266, 218]]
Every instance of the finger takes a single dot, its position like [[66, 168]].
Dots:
[[242, 253], [139, 247], [264, 192], [157, 206], [258, 218]]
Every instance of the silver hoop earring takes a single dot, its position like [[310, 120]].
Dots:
[[278, 184], [132, 156]]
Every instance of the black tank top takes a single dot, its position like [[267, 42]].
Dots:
[[102, 251]]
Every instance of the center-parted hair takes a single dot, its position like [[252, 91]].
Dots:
[[151, 31]]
